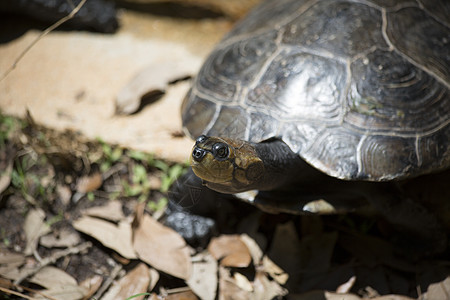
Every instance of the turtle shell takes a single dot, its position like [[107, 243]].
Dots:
[[359, 89]]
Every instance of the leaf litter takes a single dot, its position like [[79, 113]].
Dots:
[[83, 234]]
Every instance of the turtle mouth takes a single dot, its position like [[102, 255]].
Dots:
[[208, 171]]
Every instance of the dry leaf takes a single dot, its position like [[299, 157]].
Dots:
[[254, 249], [65, 238], [438, 290], [228, 289], [64, 193], [152, 80], [231, 250], [91, 285], [274, 271], [50, 277], [58, 284], [111, 211], [135, 282], [117, 237], [162, 247], [265, 289], [5, 176], [34, 228], [347, 286], [65, 292], [10, 263], [89, 183], [313, 295], [154, 277], [203, 280], [395, 297], [242, 282], [187, 295]]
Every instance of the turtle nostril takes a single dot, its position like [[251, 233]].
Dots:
[[197, 154]]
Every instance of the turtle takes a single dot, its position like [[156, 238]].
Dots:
[[309, 102]]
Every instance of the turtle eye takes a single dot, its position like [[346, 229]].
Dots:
[[220, 151], [201, 139]]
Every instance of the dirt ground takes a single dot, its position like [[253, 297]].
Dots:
[[85, 176]]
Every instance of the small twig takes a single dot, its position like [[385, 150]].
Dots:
[[44, 33], [51, 259], [11, 292], [114, 273]]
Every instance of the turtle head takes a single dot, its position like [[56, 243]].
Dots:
[[226, 165]]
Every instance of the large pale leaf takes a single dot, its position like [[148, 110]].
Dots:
[[203, 280], [116, 237], [34, 228], [162, 248], [135, 282]]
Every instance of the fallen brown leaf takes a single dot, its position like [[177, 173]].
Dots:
[[187, 295], [5, 176], [162, 248], [116, 237], [34, 228], [152, 80], [203, 280], [91, 285], [65, 238], [135, 282], [438, 290], [111, 211], [10, 263], [231, 250], [228, 289], [58, 284], [313, 295], [274, 271], [64, 193], [50, 277], [89, 183], [265, 289]]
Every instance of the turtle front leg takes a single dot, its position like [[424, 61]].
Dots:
[[197, 212]]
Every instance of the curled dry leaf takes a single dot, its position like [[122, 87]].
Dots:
[[254, 249], [34, 228], [242, 282], [5, 176], [7, 155], [313, 295], [135, 282], [58, 284], [438, 290], [49, 277], [347, 286], [274, 271], [203, 280], [89, 183], [116, 237], [231, 250], [91, 285], [228, 288], [186, 295], [64, 193], [65, 238], [10, 263], [265, 289], [111, 211], [152, 80], [162, 247]]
